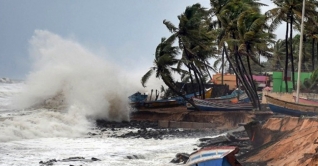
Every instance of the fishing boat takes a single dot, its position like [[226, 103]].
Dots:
[[205, 105], [235, 93], [219, 100], [291, 108], [214, 155], [138, 97], [245, 99], [307, 101], [139, 101], [156, 104]]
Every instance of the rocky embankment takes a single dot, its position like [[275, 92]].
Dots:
[[150, 130]]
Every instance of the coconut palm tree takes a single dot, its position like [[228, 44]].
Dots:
[[164, 62], [290, 11], [196, 42], [243, 32], [311, 32]]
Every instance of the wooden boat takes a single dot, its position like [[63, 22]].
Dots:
[[214, 156], [139, 101], [156, 104], [306, 101], [291, 108], [230, 100], [205, 105]]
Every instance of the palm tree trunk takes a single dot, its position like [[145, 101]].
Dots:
[[286, 59], [196, 78], [192, 83], [202, 82], [207, 70], [222, 77], [313, 54], [151, 95], [253, 83], [250, 82], [291, 51], [170, 86], [243, 79], [317, 48]]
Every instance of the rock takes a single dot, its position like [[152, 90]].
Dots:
[[180, 158], [136, 157], [95, 159]]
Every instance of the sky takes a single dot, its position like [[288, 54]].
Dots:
[[124, 32]]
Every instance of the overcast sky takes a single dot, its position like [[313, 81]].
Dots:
[[126, 32]]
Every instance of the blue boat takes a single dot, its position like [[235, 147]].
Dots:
[[138, 97], [291, 108], [214, 156]]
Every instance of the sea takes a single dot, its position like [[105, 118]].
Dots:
[[31, 135], [49, 114]]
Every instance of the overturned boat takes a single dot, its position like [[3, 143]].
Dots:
[[214, 156]]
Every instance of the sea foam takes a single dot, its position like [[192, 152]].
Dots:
[[67, 89]]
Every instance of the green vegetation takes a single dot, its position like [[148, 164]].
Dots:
[[236, 35]]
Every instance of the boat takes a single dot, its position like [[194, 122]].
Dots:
[[138, 97], [226, 100], [307, 101], [245, 99], [139, 101], [155, 104], [214, 156], [291, 108], [235, 93], [205, 105]]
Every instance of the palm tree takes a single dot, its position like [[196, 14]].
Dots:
[[311, 29], [311, 84], [164, 62], [277, 59], [196, 42], [290, 11], [243, 33]]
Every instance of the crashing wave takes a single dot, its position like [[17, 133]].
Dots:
[[5, 80]]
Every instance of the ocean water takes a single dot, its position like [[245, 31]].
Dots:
[[29, 136], [48, 115]]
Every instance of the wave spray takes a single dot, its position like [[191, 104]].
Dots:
[[69, 79]]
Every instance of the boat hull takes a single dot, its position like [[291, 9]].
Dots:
[[291, 108], [307, 101], [156, 104], [214, 156], [205, 105]]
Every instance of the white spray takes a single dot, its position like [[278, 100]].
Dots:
[[65, 73]]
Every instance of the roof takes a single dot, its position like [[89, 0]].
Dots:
[[260, 78]]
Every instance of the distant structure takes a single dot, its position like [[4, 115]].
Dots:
[[230, 79]]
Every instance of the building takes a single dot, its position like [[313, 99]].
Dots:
[[230, 79], [279, 83]]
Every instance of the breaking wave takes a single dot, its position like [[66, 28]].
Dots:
[[68, 87]]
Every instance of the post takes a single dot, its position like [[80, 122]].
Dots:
[[300, 51]]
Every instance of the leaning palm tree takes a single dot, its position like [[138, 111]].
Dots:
[[243, 33], [164, 62], [196, 42]]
